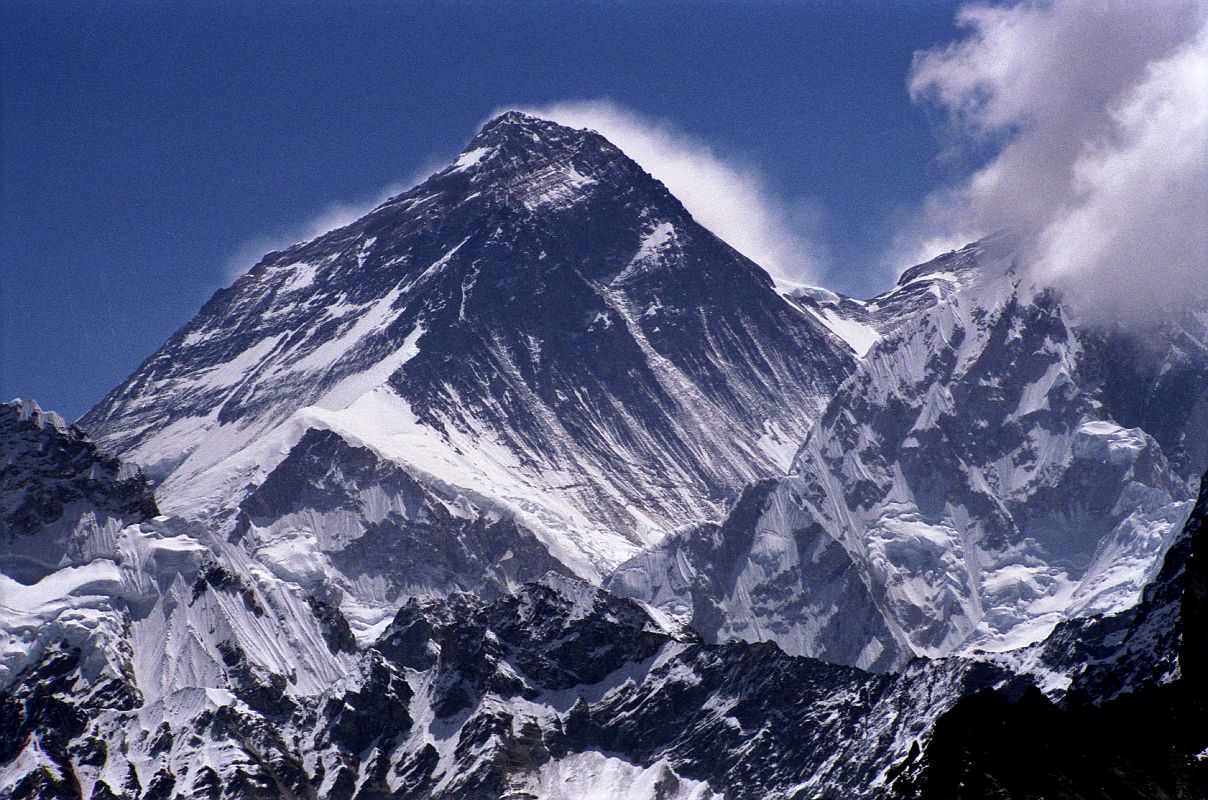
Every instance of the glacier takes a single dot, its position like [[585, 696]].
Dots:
[[525, 484]]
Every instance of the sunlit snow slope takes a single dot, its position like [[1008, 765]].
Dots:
[[978, 480], [152, 659], [412, 477]]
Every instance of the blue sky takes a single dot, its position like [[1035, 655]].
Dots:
[[146, 145]]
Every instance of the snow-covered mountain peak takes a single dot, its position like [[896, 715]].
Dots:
[[533, 165], [515, 133], [992, 255], [541, 327], [518, 125], [989, 470]]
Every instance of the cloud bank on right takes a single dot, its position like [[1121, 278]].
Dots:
[[1091, 120]]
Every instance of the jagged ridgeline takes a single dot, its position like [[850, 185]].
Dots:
[[541, 325], [526, 485]]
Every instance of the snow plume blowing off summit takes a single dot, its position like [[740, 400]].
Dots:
[[730, 198], [1097, 116]]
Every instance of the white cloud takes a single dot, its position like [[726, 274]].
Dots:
[[730, 199], [1097, 117]]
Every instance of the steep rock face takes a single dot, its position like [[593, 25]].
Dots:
[[765, 574], [365, 534], [1167, 638], [969, 475], [1132, 725], [130, 625], [551, 689], [1158, 381], [541, 323], [58, 492]]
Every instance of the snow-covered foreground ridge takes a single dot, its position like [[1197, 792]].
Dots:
[[526, 485], [164, 663]]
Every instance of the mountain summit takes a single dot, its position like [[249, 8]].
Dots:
[[526, 484], [975, 483], [540, 328]]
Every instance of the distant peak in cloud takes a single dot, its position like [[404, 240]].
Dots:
[[732, 200], [1102, 110]]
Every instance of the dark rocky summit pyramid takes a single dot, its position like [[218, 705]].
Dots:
[[541, 323], [526, 485]]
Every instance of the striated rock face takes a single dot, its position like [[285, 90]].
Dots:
[[1133, 724], [58, 492], [365, 534], [966, 489], [525, 485], [174, 665], [541, 324]]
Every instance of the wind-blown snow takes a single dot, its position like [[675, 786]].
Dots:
[[596, 776]]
